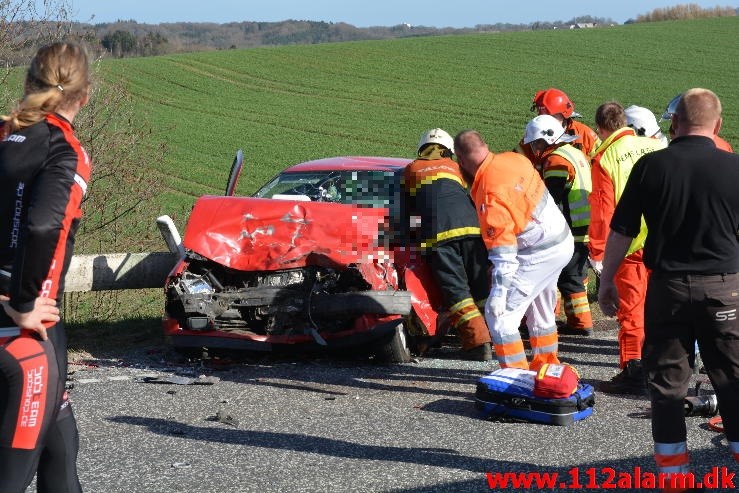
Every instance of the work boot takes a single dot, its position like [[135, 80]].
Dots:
[[483, 352], [565, 330], [629, 381]]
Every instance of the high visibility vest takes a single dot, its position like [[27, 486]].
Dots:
[[579, 191], [617, 156]]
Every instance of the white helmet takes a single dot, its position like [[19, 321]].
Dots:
[[548, 128], [437, 136], [671, 108], [642, 121]]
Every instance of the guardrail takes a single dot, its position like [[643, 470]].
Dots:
[[114, 271]]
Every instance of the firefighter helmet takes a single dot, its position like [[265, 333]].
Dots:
[[671, 109], [437, 136], [548, 128], [553, 101], [642, 121]]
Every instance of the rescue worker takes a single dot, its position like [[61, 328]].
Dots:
[[528, 242], [667, 117], [44, 173], [611, 166], [557, 104], [566, 173], [686, 193], [450, 238], [644, 123]]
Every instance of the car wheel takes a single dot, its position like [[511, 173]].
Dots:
[[396, 349]]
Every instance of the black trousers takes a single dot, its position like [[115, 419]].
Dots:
[[38, 432], [680, 310], [461, 270]]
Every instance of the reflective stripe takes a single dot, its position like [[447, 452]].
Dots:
[[430, 179], [550, 349], [672, 457], [577, 197], [562, 236], [467, 317], [461, 304], [556, 173], [81, 182], [670, 448], [502, 250], [5, 273], [452, 233], [538, 210]]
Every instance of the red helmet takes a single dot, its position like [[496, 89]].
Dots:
[[552, 101]]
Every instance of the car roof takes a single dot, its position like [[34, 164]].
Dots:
[[350, 163]]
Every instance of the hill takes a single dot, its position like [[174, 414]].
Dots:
[[284, 105]]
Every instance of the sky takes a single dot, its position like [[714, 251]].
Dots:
[[365, 13]]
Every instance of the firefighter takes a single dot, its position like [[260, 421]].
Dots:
[[611, 166], [667, 117], [644, 123], [557, 104], [450, 238], [528, 242], [566, 173]]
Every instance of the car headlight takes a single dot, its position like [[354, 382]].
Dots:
[[197, 285]]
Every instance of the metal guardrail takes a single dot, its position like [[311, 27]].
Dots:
[[115, 271]]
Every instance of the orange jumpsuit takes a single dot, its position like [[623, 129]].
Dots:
[[611, 167], [528, 242], [587, 140], [722, 144]]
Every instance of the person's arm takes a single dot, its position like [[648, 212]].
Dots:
[[602, 204], [558, 175], [44, 311], [500, 239], [616, 248]]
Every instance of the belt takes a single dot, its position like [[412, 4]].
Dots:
[[9, 331]]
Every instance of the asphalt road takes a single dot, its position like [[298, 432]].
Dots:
[[341, 425]]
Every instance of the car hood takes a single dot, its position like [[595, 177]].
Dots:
[[249, 234]]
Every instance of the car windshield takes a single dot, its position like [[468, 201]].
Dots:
[[363, 188]]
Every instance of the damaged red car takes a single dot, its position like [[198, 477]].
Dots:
[[315, 259]]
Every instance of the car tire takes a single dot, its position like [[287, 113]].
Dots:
[[396, 349]]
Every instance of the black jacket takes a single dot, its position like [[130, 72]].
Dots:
[[43, 177]]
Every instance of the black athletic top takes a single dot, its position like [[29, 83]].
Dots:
[[43, 177], [689, 196]]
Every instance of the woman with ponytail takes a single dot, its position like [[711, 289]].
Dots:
[[44, 173]]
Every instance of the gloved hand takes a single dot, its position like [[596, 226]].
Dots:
[[495, 305], [596, 265]]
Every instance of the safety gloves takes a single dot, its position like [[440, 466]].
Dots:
[[596, 265], [495, 305]]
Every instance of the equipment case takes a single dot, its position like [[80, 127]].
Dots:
[[508, 393]]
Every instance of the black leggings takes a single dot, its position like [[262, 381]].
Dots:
[[38, 432]]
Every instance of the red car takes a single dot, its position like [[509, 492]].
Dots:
[[315, 259]]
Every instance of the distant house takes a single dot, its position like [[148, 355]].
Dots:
[[583, 25]]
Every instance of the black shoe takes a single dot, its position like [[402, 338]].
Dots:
[[482, 352], [630, 381], [566, 330]]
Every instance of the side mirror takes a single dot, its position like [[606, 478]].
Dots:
[[233, 176]]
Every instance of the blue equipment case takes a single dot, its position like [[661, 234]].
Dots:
[[508, 394]]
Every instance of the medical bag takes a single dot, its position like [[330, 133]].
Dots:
[[508, 394]]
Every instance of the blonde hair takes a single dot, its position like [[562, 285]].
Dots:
[[59, 75]]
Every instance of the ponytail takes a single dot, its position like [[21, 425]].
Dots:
[[59, 75]]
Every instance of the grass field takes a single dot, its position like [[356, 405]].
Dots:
[[284, 105]]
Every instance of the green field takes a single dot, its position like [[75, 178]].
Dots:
[[290, 104]]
